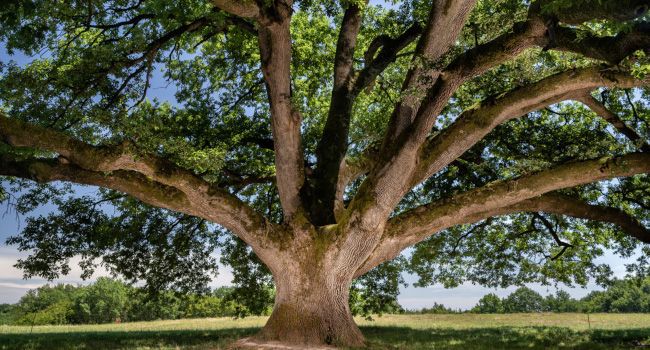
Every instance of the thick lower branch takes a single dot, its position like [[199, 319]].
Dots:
[[504, 193], [49, 170], [554, 203], [256, 234], [417, 224], [222, 207]]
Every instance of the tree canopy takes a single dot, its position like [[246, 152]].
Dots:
[[507, 140]]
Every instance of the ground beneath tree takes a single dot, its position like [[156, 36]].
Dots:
[[250, 343]]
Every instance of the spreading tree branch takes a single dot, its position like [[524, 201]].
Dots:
[[388, 180], [417, 224], [346, 46], [611, 49], [445, 22], [472, 125], [539, 31], [555, 203], [213, 203], [388, 49], [323, 193], [332, 173], [551, 229], [409, 126], [611, 117], [136, 185]]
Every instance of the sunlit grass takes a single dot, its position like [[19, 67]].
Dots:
[[464, 331]]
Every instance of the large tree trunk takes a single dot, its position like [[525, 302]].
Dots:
[[311, 308]]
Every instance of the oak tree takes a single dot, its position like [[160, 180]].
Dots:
[[507, 140]]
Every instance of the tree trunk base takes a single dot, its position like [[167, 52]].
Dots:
[[252, 343], [311, 311]]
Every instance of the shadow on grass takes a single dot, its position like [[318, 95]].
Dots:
[[164, 339], [503, 338], [378, 338]]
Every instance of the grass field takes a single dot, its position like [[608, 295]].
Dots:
[[464, 331]]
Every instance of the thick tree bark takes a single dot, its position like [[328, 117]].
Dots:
[[275, 55], [311, 308]]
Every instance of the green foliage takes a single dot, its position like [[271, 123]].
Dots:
[[524, 300], [562, 302], [376, 292], [45, 305], [57, 313], [6, 314], [109, 301], [436, 309], [253, 292], [102, 302], [91, 77], [161, 306], [135, 241], [489, 304], [632, 295], [629, 295]]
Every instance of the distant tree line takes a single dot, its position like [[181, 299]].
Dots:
[[629, 295], [622, 296], [109, 300]]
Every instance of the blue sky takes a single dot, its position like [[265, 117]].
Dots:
[[13, 286]]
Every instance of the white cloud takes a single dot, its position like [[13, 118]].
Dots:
[[8, 258], [12, 284], [20, 285], [224, 278]]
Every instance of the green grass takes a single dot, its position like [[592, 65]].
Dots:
[[465, 331]]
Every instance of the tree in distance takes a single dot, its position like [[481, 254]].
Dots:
[[314, 141]]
